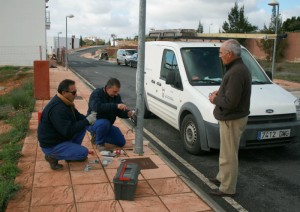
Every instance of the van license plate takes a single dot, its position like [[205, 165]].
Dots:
[[262, 135]]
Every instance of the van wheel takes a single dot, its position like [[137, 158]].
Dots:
[[190, 135], [118, 62], [126, 63]]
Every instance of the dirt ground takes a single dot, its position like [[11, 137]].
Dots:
[[288, 85]]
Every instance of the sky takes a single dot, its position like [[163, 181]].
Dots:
[[101, 18]]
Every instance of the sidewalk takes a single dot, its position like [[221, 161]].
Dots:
[[74, 189]]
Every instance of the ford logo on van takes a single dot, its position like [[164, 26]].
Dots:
[[269, 111]]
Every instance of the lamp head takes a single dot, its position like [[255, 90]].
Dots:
[[273, 3], [70, 16]]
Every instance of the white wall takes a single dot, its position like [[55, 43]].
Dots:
[[52, 43], [22, 32]]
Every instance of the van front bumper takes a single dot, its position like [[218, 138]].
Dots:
[[250, 139]]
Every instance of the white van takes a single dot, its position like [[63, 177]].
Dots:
[[124, 55], [178, 79]]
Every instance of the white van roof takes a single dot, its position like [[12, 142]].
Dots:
[[183, 44]]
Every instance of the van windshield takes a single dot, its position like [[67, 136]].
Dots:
[[204, 67], [257, 73], [130, 52]]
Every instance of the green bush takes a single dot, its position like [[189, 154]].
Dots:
[[7, 190], [23, 97], [9, 170], [10, 152]]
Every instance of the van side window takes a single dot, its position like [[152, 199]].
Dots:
[[169, 63]]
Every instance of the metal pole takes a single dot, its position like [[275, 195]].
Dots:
[[66, 50], [58, 41], [275, 41], [140, 80]]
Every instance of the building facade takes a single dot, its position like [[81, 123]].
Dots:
[[23, 32]]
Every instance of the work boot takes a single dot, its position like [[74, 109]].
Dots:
[[101, 147], [53, 163], [93, 138]]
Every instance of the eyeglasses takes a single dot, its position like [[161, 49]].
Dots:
[[72, 92]]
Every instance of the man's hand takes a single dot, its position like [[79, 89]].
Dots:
[[130, 113], [122, 107], [212, 96], [92, 118]]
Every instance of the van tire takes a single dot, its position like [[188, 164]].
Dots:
[[190, 135], [118, 62], [126, 63]]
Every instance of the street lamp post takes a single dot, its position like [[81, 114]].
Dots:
[[274, 3], [66, 51], [57, 52], [58, 39]]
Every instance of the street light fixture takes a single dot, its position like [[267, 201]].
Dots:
[[274, 3], [66, 51]]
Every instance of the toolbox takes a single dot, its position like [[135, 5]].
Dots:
[[125, 181]]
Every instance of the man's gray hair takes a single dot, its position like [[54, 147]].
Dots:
[[233, 46]]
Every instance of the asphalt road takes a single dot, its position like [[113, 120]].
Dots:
[[269, 179]]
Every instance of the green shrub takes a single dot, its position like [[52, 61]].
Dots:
[[21, 99], [10, 152], [9, 170], [7, 190]]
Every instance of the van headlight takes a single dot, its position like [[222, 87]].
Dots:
[[297, 105]]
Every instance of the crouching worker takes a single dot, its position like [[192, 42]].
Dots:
[[62, 128], [108, 104]]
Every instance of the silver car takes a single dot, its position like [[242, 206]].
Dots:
[[123, 55]]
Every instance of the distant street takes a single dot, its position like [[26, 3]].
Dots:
[[268, 178]]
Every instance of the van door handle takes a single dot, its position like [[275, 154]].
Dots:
[[158, 83], [153, 81]]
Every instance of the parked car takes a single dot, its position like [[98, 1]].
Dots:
[[133, 60], [123, 55]]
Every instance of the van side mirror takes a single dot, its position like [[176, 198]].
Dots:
[[269, 74]]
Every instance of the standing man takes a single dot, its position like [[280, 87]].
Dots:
[[108, 104], [232, 108], [62, 127]]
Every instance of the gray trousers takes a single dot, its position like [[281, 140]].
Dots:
[[230, 135]]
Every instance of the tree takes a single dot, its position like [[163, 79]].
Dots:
[[81, 42], [99, 41], [238, 23], [268, 45], [291, 24], [200, 28]]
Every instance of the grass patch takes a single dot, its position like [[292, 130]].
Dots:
[[283, 70], [8, 189], [13, 72], [19, 104]]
